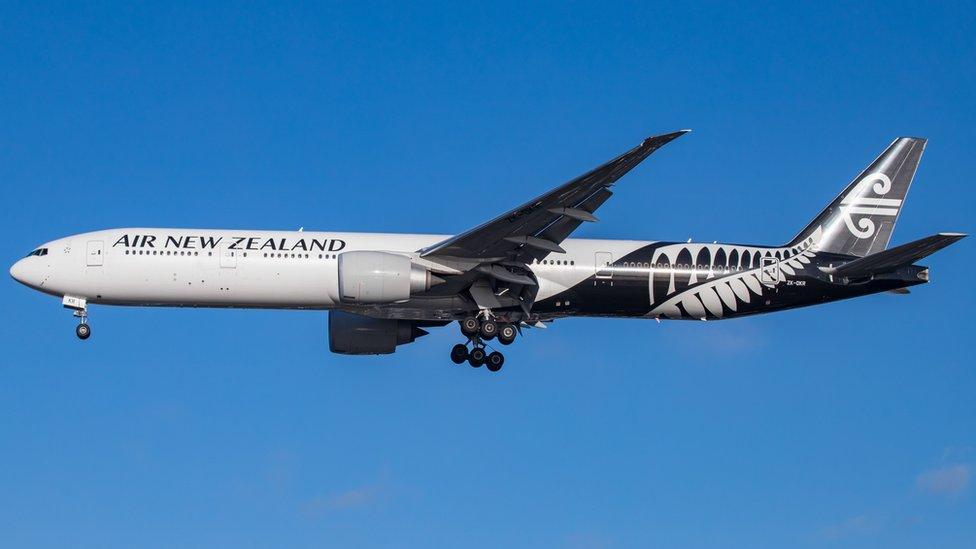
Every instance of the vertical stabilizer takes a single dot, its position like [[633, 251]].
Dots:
[[860, 221]]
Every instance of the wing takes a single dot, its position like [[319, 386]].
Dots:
[[535, 229]]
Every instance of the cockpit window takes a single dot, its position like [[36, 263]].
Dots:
[[39, 251]]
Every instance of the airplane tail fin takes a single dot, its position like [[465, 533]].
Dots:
[[860, 221]]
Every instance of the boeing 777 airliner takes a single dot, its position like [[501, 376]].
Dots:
[[517, 270]]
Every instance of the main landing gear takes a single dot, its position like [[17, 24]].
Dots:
[[478, 331], [477, 356]]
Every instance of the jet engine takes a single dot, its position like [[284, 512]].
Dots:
[[381, 277], [352, 334]]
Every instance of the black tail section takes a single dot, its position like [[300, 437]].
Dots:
[[860, 221]]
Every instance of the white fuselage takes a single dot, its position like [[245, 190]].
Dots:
[[247, 268]]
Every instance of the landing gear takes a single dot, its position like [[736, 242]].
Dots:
[[478, 330], [470, 326], [459, 353], [476, 357], [506, 334], [488, 329], [495, 361], [82, 330]]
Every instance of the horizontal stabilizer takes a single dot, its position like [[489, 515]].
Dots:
[[893, 258]]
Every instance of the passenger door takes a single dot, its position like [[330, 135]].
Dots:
[[770, 274], [601, 268]]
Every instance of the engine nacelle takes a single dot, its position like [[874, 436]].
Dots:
[[380, 277], [352, 334]]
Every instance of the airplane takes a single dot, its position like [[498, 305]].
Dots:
[[519, 270]]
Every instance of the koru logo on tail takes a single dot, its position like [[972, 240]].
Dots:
[[855, 204]]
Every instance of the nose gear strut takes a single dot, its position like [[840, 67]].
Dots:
[[80, 306]]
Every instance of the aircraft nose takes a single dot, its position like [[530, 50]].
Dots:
[[27, 272], [19, 271]]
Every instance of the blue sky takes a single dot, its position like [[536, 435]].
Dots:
[[847, 425]]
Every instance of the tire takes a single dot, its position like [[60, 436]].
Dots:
[[489, 329], [507, 334], [459, 353], [469, 326], [476, 357], [495, 361], [83, 331]]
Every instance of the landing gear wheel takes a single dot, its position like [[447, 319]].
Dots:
[[506, 334], [83, 331], [459, 353], [469, 326], [489, 329], [495, 361], [476, 357]]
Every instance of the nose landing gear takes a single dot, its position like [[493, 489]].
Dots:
[[82, 330]]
